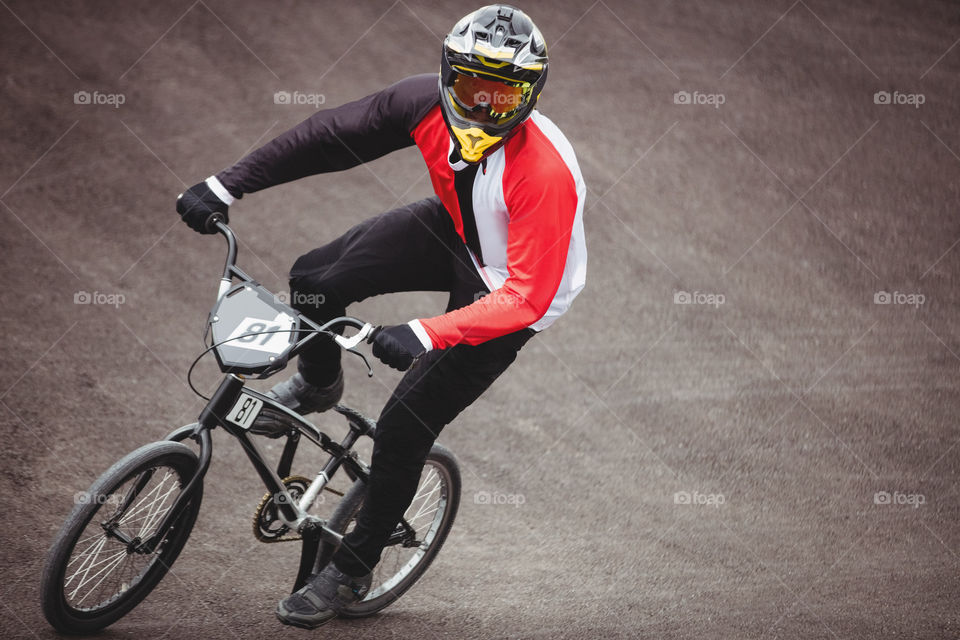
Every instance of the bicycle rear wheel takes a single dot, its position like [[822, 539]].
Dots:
[[92, 578], [410, 551]]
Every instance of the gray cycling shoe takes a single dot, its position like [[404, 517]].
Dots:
[[323, 597], [298, 395]]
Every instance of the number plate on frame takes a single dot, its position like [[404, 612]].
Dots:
[[245, 411]]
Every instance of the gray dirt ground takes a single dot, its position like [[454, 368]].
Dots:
[[788, 407]]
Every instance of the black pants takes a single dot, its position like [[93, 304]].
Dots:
[[413, 248]]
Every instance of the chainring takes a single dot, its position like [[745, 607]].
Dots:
[[267, 526]]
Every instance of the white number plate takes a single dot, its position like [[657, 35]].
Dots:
[[270, 336], [245, 411]]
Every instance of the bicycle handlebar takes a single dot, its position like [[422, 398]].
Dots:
[[217, 223], [365, 330]]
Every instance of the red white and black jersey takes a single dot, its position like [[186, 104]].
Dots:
[[520, 211]]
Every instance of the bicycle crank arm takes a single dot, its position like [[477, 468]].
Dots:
[[311, 526]]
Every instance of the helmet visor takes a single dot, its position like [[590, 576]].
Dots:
[[487, 101]]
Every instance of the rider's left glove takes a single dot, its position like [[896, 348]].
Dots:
[[198, 203], [397, 346]]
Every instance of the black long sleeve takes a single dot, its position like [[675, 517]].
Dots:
[[339, 138]]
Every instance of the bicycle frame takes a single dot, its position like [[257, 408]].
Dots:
[[224, 409]]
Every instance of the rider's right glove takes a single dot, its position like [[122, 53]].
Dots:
[[397, 346], [202, 200]]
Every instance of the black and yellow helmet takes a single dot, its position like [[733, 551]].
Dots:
[[492, 70]]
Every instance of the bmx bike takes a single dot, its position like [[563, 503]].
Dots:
[[129, 527]]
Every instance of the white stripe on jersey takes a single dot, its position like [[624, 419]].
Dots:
[[492, 218]]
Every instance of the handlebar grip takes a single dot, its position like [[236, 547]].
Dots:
[[213, 221]]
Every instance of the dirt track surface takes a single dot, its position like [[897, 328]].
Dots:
[[781, 189]]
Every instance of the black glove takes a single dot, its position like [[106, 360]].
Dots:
[[197, 204], [397, 346]]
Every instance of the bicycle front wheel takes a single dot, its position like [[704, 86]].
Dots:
[[413, 547], [92, 577]]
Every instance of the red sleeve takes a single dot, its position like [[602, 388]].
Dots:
[[542, 201]]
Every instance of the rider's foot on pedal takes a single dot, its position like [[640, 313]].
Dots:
[[300, 396], [324, 595]]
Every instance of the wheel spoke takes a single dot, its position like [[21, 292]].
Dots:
[[100, 559], [106, 571], [150, 507], [422, 514], [399, 562], [100, 567]]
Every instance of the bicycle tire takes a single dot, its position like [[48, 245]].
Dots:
[[68, 616], [378, 598]]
